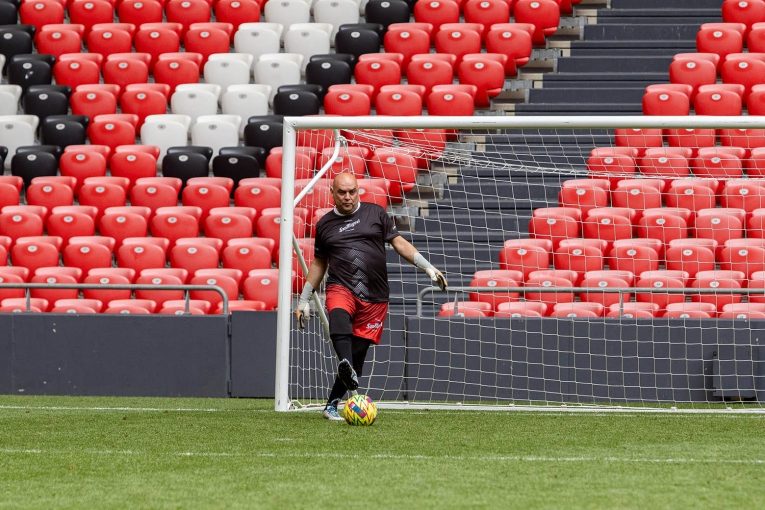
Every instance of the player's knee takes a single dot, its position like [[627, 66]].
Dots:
[[340, 322]]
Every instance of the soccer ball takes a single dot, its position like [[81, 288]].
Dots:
[[360, 410]]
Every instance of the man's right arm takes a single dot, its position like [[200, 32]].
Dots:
[[313, 280]]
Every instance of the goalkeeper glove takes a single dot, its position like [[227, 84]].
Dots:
[[303, 311], [435, 275]]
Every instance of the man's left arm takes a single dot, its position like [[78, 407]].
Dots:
[[409, 253]]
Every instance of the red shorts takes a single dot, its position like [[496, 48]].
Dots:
[[368, 318]]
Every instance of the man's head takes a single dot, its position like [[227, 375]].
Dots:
[[345, 192]]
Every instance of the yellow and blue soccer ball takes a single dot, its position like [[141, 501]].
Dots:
[[360, 410]]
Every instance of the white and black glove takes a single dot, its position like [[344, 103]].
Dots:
[[435, 275], [303, 310]]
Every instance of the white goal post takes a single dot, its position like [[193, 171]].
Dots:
[[480, 190]]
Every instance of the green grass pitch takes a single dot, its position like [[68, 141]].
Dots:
[[67, 452]]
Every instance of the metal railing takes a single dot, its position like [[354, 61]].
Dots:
[[28, 287], [571, 290]]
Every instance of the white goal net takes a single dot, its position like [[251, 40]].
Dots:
[[606, 263]]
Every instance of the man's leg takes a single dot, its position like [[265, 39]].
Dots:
[[360, 348], [341, 333]]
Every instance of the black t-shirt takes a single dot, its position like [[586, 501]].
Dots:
[[354, 247]]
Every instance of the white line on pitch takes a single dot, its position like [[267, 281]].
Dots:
[[127, 409], [382, 456]]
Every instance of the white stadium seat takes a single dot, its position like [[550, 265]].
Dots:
[[9, 99], [163, 131], [226, 69], [195, 99], [17, 131], [287, 12], [308, 39], [216, 131], [246, 101], [336, 13], [277, 69], [258, 39]]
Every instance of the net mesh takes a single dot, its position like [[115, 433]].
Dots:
[[586, 267]]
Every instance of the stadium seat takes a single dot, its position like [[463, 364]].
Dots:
[[19, 305], [525, 255], [429, 71], [604, 298], [638, 194], [743, 311], [206, 41], [584, 194], [139, 253], [261, 285], [549, 298], [41, 13], [718, 162], [88, 252], [628, 256], [746, 69], [496, 278], [747, 139], [694, 69], [465, 309], [543, 14], [258, 39], [58, 41], [77, 306], [691, 194], [486, 73], [691, 255], [744, 255], [719, 99], [580, 255], [458, 40], [407, 42], [718, 279], [613, 163], [664, 224], [633, 310], [608, 223], [660, 299], [720, 224], [520, 309], [131, 307], [720, 38], [175, 69], [554, 225], [667, 101], [747, 12], [34, 252], [436, 13], [577, 310]]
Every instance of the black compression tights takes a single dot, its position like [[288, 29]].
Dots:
[[347, 346]]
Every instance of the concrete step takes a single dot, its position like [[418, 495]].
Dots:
[[586, 95], [602, 77], [633, 44], [658, 16], [576, 109], [665, 32], [664, 4], [635, 64], [562, 84]]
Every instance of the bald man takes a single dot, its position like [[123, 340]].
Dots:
[[350, 248]]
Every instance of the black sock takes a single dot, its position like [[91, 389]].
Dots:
[[360, 347]]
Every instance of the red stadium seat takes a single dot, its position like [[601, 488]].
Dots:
[[155, 41], [107, 39], [718, 279], [543, 14], [397, 166], [748, 257], [691, 255], [664, 224], [549, 298], [521, 309], [268, 223], [666, 162], [398, 102], [718, 162], [377, 72], [638, 138], [746, 194], [694, 69], [553, 225], [667, 101], [457, 40], [227, 224], [580, 255], [261, 285], [57, 41], [67, 224], [661, 299], [74, 69], [89, 252], [608, 223], [351, 160], [512, 40], [258, 196], [486, 12], [131, 307], [720, 38], [124, 69], [465, 309], [578, 310], [228, 284], [139, 12], [747, 12], [407, 42], [613, 163], [102, 196], [108, 276], [487, 74], [82, 164], [193, 254], [174, 226], [627, 256], [113, 130], [174, 69], [90, 12], [20, 223], [54, 275], [746, 69], [342, 101], [122, 225], [206, 41], [525, 255], [720, 224], [584, 194], [743, 311], [693, 139], [744, 138], [373, 192], [19, 305], [604, 282], [633, 310], [187, 12], [719, 99], [429, 72], [140, 253], [34, 252], [637, 194], [49, 194], [41, 13], [246, 258], [496, 278], [205, 197], [98, 100], [237, 12], [691, 194], [437, 12], [153, 195]]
